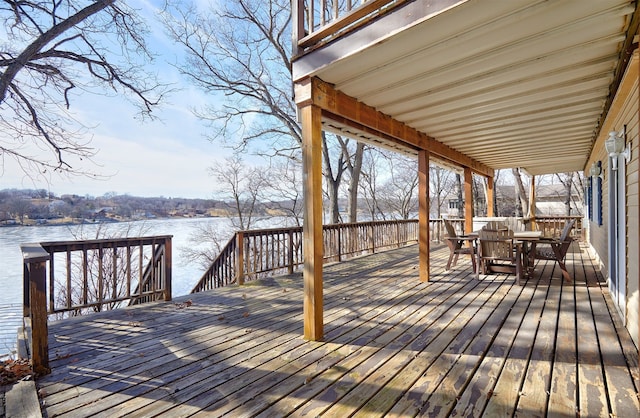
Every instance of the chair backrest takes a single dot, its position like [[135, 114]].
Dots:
[[496, 243], [451, 231], [495, 226], [567, 229]]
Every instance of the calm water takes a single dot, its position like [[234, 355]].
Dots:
[[185, 276]]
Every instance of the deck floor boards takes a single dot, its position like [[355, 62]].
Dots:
[[393, 347]]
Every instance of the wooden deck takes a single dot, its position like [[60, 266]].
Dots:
[[393, 346]]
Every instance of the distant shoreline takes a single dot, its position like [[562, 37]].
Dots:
[[87, 221]]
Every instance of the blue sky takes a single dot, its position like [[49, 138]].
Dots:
[[165, 157]]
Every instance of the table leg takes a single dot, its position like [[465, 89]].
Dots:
[[557, 252]]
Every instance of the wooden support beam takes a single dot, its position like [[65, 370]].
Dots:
[[348, 110], [312, 228], [423, 214], [468, 200], [490, 197]]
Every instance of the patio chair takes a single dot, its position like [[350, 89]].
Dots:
[[555, 249], [456, 246], [498, 251]]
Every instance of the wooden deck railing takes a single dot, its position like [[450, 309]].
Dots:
[[75, 277], [253, 254], [316, 21], [552, 225]]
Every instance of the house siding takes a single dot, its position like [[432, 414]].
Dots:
[[633, 225], [627, 113]]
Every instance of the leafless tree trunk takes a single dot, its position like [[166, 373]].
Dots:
[[566, 179], [520, 193], [496, 182], [370, 183], [399, 192], [333, 177], [241, 50], [460, 201], [53, 48], [578, 184], [284, 188], [441, 184], [241, 188], [354, 165]]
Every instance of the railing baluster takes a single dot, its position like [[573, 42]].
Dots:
[[114, 273], [128, 273], [239, 240], [100, 297], [168, 269]]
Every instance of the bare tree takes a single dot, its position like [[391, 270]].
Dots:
[[579, 186], [205, 243], [496, 182], [369, 185], [401, 188], [284, 186], [50, 50], [241, 188], [354, 166], [242, 51], [460, 199], [19, 208], [523, 208], [566, 179], [441, 185]]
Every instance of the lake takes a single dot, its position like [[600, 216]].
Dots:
[[185, 275]]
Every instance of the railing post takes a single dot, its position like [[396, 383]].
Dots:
[[372, 244], [240, 258], [339, 242], [290, 253], [35, 267], [167, 269], [297, 32]]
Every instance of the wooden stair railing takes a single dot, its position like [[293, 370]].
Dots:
[[151, 286], [222, 270]]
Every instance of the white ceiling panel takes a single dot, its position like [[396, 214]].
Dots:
[[510, 83]]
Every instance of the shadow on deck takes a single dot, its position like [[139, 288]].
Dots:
[[393, 346]]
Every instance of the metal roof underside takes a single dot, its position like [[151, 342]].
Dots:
[[509, 83]]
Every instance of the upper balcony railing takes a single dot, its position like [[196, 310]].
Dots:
[[317, 21]]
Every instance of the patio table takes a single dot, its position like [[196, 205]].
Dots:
[[529, 240]]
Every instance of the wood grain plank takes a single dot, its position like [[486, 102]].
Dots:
[[563, 392], [507, 390], [132, 404], [591, 387], [242, 396], [319, 385], [480, 388], [460, 312], [622, 393], [534, 393], [431, 366]]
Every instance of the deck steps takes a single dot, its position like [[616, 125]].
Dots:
[[20, 400]]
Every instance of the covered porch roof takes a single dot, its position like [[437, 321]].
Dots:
[[515, 83]]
